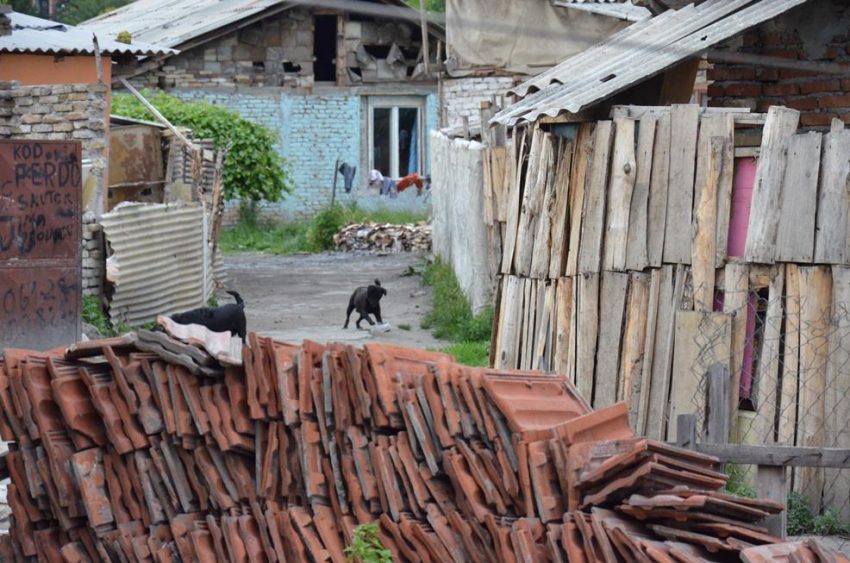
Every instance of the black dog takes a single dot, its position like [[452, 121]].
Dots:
[[230, 317], [367, 301]]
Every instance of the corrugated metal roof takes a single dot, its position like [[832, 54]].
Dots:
[[158, 253], [622, 9], [175, 22], [636, 53], [36, 35]]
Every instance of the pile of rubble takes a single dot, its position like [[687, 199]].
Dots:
[[150, 448], [385, 237]]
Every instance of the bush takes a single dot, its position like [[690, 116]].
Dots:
[[366, 545], [802, 521], [324, 225], [253, 169]]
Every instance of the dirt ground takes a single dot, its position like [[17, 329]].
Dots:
[[293, 298]]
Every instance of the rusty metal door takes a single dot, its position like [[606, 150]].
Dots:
[[40, 243]]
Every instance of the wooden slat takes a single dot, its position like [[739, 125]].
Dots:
[[542, 241], [767, 374], [514, 199], [662, 358], [735, 302], [795, 239], [536, 180], [771, 485], [621, 187], [652, 314], [487, 173], [509, 180], [767, 186], [833, 198], [587, 328], [510, 323], [546, 311], [790, 357], [560, 223], [680, 183], [498, 171], [723, 126], [564, 334], [529, 332], [658, 192], [778, 455], [634, 342], [578, 180], [593, 220], [705, 224], [636, 247], [612, 302], [702, 340], [815, 304], [837, 407]]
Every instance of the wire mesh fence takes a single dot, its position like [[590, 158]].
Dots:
[[787, 345]]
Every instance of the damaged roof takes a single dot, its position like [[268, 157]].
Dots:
[[187, 23], [621, 9], [40, 36], [638, 52]]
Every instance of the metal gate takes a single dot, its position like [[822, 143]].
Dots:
[[40, 243]]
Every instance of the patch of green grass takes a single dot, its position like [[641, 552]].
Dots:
[[94, 314], [737, 484], [404, 326], [451, 317], [253, 234]]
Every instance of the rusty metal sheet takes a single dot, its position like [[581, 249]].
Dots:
[[40, 243], [135, 165]]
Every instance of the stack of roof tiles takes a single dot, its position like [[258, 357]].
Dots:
[[151, 449]]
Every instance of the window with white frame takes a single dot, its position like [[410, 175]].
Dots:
[[396, 134]]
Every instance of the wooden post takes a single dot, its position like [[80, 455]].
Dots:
[[770, 484], [423, 22], [485, 113], [333, 192], [717, 408], [686, 431]]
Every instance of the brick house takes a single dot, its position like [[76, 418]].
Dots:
[[337, 80], [815, 39]]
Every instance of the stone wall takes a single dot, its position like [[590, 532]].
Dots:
[[462, 96], [94, 264], [279, 51], [816, 32]]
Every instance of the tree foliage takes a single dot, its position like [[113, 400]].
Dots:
[[73, 12], [253, 169], [430, 5]]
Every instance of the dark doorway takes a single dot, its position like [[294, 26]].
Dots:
[[324, 48]]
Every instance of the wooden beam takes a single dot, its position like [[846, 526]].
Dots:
[[159, 116], [778, 455]]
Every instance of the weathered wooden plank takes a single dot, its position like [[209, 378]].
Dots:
[[540, 260], [680, 183], [705, 224], [510, 323], [587, 330], [612, 302], [777, 455], [514, 198], [670, 297], [564, 334], [837, 407], [578, 180], [767, 374], [546, 312], [771, 485], [496, 332], [833, 199], [723, 126], [652, 314], [637, 257], [702, 340], [560, 223], [536, 181], [658, 192], [593, 220], [767, 186], [656, 112], [529, 332], [795, 238], [790, 357], [717, 410], [498, 172], [686, 431], [487, 173], [815, 305], [509, 180], [634, 342], [735, 302], [620, 188]]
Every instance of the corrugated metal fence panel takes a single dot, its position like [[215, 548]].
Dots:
[[159, 253]]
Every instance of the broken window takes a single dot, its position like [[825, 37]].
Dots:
[[395, 126], [324, 48]]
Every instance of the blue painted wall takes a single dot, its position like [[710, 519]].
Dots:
[[315, 130]]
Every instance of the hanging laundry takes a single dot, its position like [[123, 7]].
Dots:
[[411, 180], [348, 172]]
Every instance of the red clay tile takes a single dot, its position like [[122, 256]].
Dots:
[[88, 469], [233, 540], [234, 379], [610, 423]]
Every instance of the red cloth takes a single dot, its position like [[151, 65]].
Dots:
[[410, 180]]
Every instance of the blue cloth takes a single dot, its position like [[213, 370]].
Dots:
[[348, 172]]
